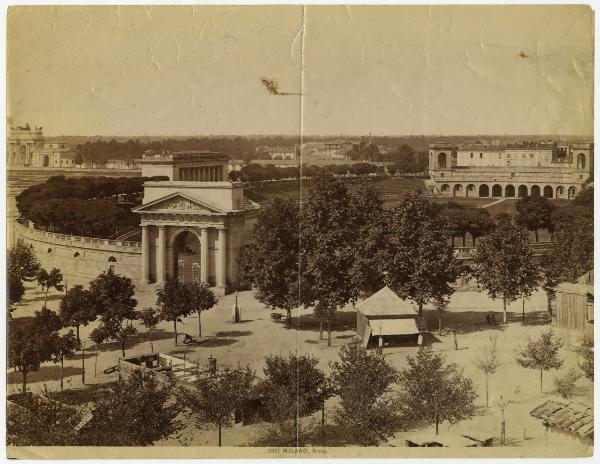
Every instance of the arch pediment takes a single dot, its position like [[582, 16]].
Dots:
[[178, 203]]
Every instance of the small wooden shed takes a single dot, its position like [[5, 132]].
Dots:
[[575, 305], [385, 314]]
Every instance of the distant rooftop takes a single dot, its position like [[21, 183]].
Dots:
[[179, 156]]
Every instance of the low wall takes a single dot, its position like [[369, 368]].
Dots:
[[82, 259]]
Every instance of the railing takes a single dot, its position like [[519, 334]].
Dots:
[[75, 240]]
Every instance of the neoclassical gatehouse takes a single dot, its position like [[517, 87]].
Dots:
[[195, 224], [478, 170], [28, 148]]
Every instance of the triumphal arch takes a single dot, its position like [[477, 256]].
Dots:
[[195, 224]]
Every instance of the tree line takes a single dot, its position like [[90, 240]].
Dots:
[[338, 247]]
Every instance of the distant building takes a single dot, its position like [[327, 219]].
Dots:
[[481, 170], [28, 148], [121, 164]]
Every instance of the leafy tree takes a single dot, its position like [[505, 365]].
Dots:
[[417, 261], [327, 251], [541, 353], [480, 223], [441, 306], [458, 221], [368, 221], [504, 264], [135, 412], [565, 384], [534, 212], [174, 302], [48, 280], [149, 318], [363, 380], [32, 343], [488, 362], [112, 297], [15, 290], [65, 346], [77, 308], [271, 262], [202, 299], [22, 262], [585, 198], [216, 397], [38, 421], [586, 356], [301, 381], [434, 391]]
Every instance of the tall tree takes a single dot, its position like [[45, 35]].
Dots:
[[271, 262], [363, 380], [368, 221], [488, 362], [327, 247], [149, 318], [300, 379], [22, 261], [417, 261], [504, 264], [48, 280], [480, 223], [202, 299], [534, 213], [174, 302], [434, 391], [76, 308], [34, 420], [65, 346], [135, 412], [112, 297], [15, 290], [216, 397], [541, 353], [585, 350]]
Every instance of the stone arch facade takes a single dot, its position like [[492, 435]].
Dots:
[[509, 191], [522, 191], [535, 191], [442, 159], [548, 192], [580, 161], [484, 191], [496, 191], [457, 190], [445, 189]]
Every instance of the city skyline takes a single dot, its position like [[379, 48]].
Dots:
[[392, 71]]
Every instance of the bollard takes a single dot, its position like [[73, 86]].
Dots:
[[212, 365]]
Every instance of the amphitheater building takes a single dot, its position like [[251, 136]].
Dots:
[[477, 170]]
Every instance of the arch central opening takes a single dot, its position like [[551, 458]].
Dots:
[[186, 255]]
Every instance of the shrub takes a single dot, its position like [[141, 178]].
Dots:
[[565, 384]]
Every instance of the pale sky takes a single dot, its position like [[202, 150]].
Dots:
[[392, 70]]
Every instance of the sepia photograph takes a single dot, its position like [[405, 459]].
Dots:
[[299, 231]]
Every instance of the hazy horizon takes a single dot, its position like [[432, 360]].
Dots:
[[389, 70]]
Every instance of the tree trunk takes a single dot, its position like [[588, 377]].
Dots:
[[541, 379], [289, 316], [46, 297], [151, 342], [504, 315], [549, 297], [219, 434], [175, 328], [321, 329], [536, 236], [523, 298], [77, 333], [473, 238], [464, 237], [83, 364], [123, 347], [437, 422], [440, 324], [420, 311], [487, 396], [62, 366], [199, 324], [329, 331], [96, 363], [24, 375]]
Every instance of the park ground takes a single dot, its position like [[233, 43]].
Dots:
[[246, 344]]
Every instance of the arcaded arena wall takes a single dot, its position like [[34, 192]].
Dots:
[[81, 259]]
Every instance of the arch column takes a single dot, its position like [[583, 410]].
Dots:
[[161, 256], [145, 256], [204, 255], [222, 260]]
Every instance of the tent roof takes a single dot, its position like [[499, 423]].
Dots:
[[386, 303]]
